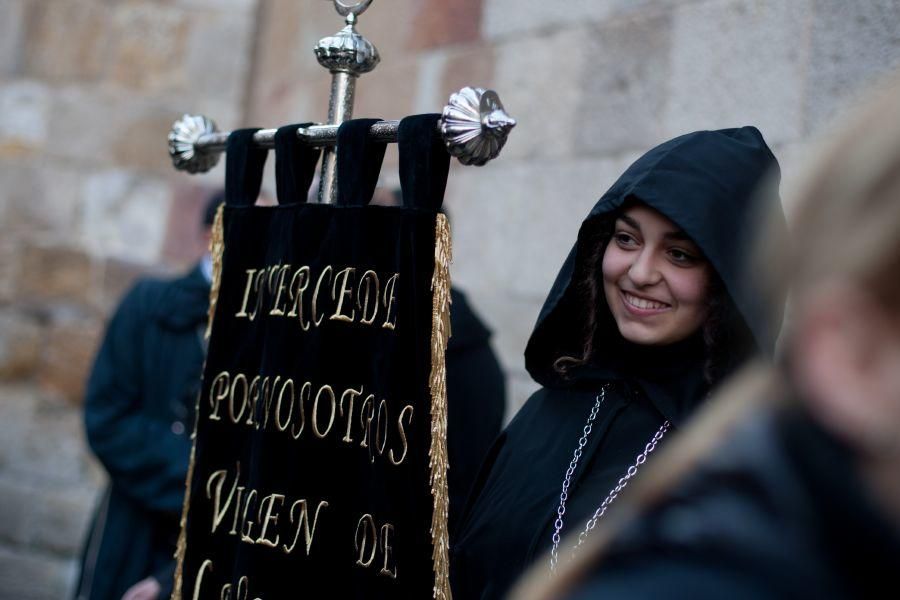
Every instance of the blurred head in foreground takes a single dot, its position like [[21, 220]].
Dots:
[[788, 484]]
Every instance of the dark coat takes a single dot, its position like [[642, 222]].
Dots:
[[138, 412], [703, 182], [476, 399], [779, 511]]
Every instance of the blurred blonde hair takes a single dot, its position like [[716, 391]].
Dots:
[[846, 226]]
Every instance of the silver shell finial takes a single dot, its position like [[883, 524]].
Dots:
[[185, 133], [475, 125]]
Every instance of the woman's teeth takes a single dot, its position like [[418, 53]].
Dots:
[[644, 304]]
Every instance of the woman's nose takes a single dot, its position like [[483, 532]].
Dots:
[[643, 270]]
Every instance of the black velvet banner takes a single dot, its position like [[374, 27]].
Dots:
[[311, 474]]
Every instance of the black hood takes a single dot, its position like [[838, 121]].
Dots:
[[705, 182]]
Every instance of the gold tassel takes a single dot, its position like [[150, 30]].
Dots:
[[182, 534], [440, 333], [216, 250]]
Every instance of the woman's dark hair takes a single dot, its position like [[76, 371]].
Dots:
[[727, 339]]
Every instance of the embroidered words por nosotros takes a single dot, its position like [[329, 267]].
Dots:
[[334, 295], [274, 402]]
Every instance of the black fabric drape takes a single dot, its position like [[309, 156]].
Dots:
[[295, 164], [298, 303]]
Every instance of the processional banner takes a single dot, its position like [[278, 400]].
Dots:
[[319, 460]]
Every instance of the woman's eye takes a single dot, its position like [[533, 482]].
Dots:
[[682, 257], [623, 239]]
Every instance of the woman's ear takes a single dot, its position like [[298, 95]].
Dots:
[[845, 353]]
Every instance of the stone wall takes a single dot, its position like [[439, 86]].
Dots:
[[88, 91], [89, 88]]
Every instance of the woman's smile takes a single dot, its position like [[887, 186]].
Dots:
[[641, 306]]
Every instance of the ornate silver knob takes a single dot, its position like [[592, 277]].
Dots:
[[475, 125], [347, 51], [186, 154]]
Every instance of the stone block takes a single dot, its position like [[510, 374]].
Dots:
[[244, 6], [853, 45], [624, 85], [514, 222], [20, 346], [147, 43], [217, 57], [17, 405], [506, 18], [12, 28], [48, 518], [139, 141], [539, 81], [25, 108], [86, 120], [472, 65], [280, 56], [50, 450], [29, 575], [390, 93], [124, 215], [62, 520], [16, 502], [67, 358], [96, 125], [9, 269], [21, 189], [66, 41], [440, 23], [41, 200], [54, 274], [390, 27], [738, 62]]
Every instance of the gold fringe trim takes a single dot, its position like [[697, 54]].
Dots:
[[216, 250], [181, 548], [440, 333]]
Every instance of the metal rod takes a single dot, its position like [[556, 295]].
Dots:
[[315, 135], [346, 55], [473, 125], [340, 109]]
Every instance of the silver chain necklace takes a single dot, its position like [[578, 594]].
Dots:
[[613, 494]]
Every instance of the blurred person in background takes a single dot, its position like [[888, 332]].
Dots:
[[789, 485], [646, 316], [139, 406]]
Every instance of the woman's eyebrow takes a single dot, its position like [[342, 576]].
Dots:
[[630, 222], [678, 235]]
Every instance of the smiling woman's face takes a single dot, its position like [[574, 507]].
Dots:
[[655, 279]]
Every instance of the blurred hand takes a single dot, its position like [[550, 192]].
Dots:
[[145, 589]]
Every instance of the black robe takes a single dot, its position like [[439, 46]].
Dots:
[[704, 183], [476, 398], [778, 512], [138, 414]]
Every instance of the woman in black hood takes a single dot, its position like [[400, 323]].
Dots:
[[647, 314]]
